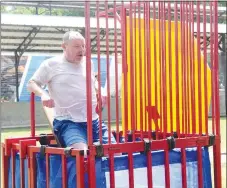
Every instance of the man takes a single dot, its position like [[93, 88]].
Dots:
[[65, 77]]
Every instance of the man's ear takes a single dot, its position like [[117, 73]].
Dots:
[[63, 46]]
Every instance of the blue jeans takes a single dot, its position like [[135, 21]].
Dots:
[[69, 132]]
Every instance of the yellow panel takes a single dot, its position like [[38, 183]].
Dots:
[[156, 92]]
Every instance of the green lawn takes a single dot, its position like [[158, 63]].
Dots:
[[25, 132]]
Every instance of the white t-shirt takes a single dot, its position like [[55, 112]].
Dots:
[[67, 87]]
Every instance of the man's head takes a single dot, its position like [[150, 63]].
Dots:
[[74, 46]]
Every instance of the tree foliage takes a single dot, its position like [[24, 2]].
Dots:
[[44, 11]]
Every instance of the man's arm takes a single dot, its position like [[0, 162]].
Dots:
[[41, 77], [45, 98]]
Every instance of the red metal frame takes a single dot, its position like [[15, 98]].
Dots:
[[187, 136]]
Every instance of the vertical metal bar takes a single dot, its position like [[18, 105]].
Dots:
[[22, 180], [212, 65], [91, 171], [91, 161], [205, 67], [132, 73], [148, 73], [13, 157], [99, 73], [148, 52], [176, 68], [145, 64], [199, 68], [131, 172], [164, 90], [32, 111], [187, 55], [194, 121], [199, 152], [190, 68], [47, 171], [112, 177], [182, 67], [200, 170], [108, 72], [140, 73], [80, 170], [160, 64], [64, 172], [33, 178], [124, 66], [88, 73], [170, 67], [5, 162], [183, 167], [136, 126], [164, 44], [217, 146], [155, 65], [116, 71]]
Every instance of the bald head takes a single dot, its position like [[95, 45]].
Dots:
[[71, 35]]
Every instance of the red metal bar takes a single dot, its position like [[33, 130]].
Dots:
[[5, 167], [170, 67], [145, 64], [88, 73], [108, 73], [199, 152], [148, 71], [148, 52], [47, 171], [187, 55], [135, 66], [205, 67], [13, 158], [22, 148], [183, 168], [164, 94], [182, 67], [177, 71], [155, 66], [164, 44], [140, 73], [99, 74], [199, 69], [124, 67], [91, 161], [80, 169], [200, 166], [194, 121], [160, 62], [22, 182], [112, 177], [149, 170], [132, 71], [131, 170], [217, 146], [32, 111], [212, 65], [116, 73], [32, 169], [64, 172], [91, 169]]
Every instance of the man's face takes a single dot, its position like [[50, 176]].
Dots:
[[74, 50]]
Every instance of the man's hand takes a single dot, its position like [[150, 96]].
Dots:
[[47, 101]]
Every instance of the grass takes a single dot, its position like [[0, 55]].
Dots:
[[20, 132]]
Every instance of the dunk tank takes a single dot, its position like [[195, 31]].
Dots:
[[167, 86]]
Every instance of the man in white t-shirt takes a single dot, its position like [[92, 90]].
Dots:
[[65, 77]]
